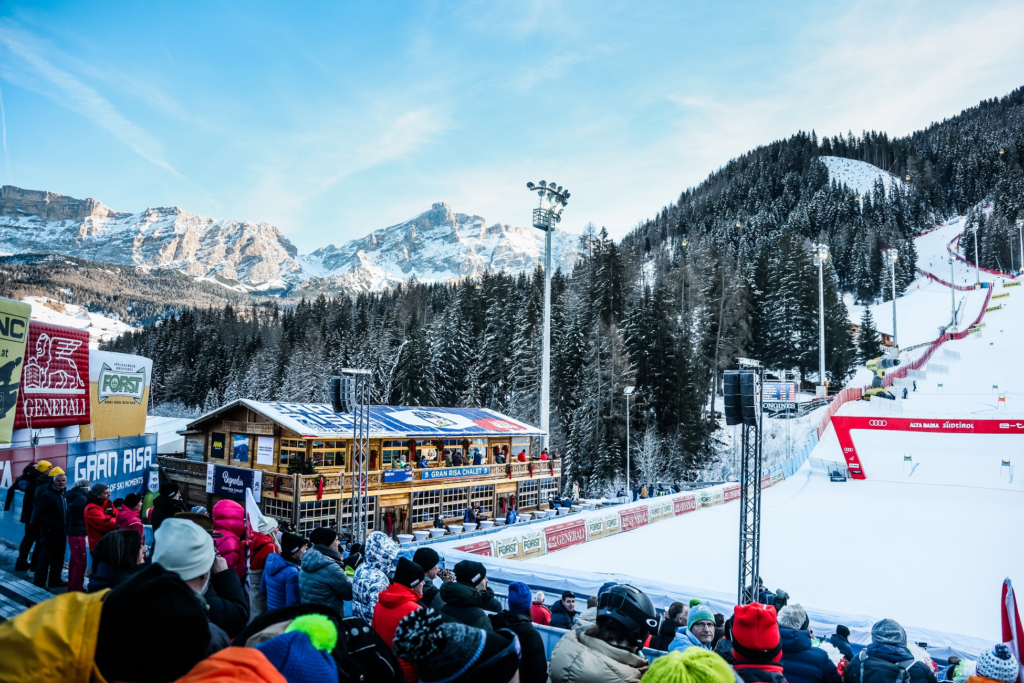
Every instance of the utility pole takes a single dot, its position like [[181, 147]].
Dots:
[[628, 391], [977, 258], [820, 254], [952, 292], [1020, 229], [893, 257]]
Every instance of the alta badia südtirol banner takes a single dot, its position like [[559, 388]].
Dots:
[[14, 317], [119, 394]]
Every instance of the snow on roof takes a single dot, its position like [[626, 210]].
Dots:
[[318, 420]]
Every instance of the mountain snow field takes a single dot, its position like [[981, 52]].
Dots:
[[100, 327]]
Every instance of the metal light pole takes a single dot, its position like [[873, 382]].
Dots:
[[893, 256], [553, 199], [820, 254], [1020, 228], [952, 292], [628, 391], [977, 257]]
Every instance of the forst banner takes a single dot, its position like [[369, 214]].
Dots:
[[14, 324], [55, 389], [118, 394]]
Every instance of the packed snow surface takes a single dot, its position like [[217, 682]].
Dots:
[[927, 541], [100, 327], [859, 176]]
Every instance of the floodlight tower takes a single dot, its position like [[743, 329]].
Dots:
[[892, 255], [820, 256], [553, 198]]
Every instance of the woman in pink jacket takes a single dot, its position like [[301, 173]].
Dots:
[[128, 516], [229, 520]]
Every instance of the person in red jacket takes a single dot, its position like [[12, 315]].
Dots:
[[539, 612], [128, 517], [263, 545], [100, 515], [229, 520], [395, 603]]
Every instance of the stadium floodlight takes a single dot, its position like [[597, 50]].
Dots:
[[553, 199], [820, 256], [628, 391], [893, 255]]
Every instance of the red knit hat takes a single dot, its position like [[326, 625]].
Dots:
[[755, 634]]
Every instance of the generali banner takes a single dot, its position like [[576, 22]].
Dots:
[[118, 394], [633, 518], [478, 548], [685, 504], [55, 390], [563, 535], [14, 323], [731, 492]]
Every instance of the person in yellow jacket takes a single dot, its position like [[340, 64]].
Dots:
[[96, 637]]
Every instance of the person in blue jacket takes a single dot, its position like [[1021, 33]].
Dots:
[[563, 612], [840, 640], [801, 661], [280, 582], [699, 631]]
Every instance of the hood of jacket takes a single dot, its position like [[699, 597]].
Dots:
[[276, 564], [229, 518], [396, 595], [316, 559], [890, 653], [578, 657], [511, 620], [77, 495], [380, 552], [234, 664], [461, 595], [559, 608], [56, 640], [795, 641], [126, 514]]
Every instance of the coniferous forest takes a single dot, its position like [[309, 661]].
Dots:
[[725, 271]]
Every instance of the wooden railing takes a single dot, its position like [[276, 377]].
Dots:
[[263, 428]]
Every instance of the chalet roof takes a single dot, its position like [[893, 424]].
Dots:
[[319, 421]]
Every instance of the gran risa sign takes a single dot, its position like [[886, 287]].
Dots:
[[844, 424]]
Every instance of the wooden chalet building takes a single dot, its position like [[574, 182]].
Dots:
[[274, 446]]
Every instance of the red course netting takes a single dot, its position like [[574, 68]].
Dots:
[[960, 288], [958, 257]]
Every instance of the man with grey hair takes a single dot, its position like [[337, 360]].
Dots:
[[801, 661], [887, 659], [77, 498]]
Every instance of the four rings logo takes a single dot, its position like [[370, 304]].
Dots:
[[877, 423]]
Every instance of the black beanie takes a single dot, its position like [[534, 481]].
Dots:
[[177, 631], [499, 660], [408, 573], [470, 572], [426, 558], [290, 543], [324, 535], [843, 631]]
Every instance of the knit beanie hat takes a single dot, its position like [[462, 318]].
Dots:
[[755, 634], [408, 573], [694, 602], [290, 543], [888, 632], [177, 632], [999, 665], [842, 631], [266, 525], [303, 652], [692, 665], [470, 572], [794, 617], [324, 535], [518, 597], [132, 499], [184, 548], [699, 612], [454, 652], [426, 558], [98, 488]]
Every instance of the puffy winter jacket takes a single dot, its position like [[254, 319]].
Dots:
[[804, 663], [586, 620], [884, 655], [393, 604], [533, 664], [228, 607], [540, 614], [26, 483], [55, 640], [229, 520], [164, 507], [465, 604], [280, 582], [432, 596], [77, 498], [372, 575], [100, 519], [234, 664], [129, 519], [104, 576], [666, 633], [685, 639], [323, 580], [50, 510], [841, 644], [262, 546], [578, 658], [561, 617], [760, 673]]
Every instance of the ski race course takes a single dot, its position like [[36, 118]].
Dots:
[[936, 525]]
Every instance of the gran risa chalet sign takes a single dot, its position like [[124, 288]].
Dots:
[[55, 380]]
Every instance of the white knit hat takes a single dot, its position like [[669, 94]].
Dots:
[[183, 547], [266, 525]]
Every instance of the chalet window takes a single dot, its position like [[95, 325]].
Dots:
[[454, 501], [393, 451], [482, 496], [292, 450], [425, 505], [527, 497]]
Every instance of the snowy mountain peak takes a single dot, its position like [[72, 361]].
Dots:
[[435, 246]]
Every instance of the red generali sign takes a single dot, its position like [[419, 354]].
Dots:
[[55, 381], [844, 423], [685, 504], [563, 535], [478, 548], [731, 492], [633, 518]]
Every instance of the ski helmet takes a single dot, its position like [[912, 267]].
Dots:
[[631, 608]]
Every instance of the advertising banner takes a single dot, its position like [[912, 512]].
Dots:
[[240, 448], [264, 450], [777, 476], [217, 446], [711, 497], [595, 528], [55, 389], [667, 508], [611, 524], [122, 464], [231, 482], [684, 504], [14, 460], [507, 548], [654, 512], [766, 481], [532, 544], [454, 472], [479, 548], [633, 518], [14, 324], [392, 476], [118, 394], [731, 492], [195, 448], [566, 534]]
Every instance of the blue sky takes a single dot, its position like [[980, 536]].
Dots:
[[332, 119]]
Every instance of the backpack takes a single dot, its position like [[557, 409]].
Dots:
[[877, 670]]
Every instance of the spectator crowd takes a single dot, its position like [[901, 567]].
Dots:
[[210, 601]]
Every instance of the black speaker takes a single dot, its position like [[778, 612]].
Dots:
[[731, 394], [748, 397], [343, 394]]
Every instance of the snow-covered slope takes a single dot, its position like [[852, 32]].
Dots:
[[100, 327], [437, 245], [857, 175]]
